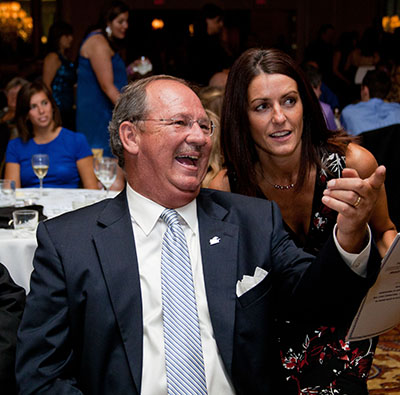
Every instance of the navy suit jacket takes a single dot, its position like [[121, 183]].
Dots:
[[82, 328]]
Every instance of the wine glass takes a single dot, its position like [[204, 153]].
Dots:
[[40, 165], [106, 171]]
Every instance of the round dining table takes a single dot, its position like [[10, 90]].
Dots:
[[17, 247]]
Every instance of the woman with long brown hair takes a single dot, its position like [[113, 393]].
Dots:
[[40, 132], [276, 146]]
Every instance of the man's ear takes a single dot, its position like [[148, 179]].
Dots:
[[130, 137]]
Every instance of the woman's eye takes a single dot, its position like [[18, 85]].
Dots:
[[290, 101], [261, 107]]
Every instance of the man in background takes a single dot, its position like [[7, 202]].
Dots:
[[372, 112]]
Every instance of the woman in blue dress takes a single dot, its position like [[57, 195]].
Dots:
[[101, 76], [59, 72], [39, 126]]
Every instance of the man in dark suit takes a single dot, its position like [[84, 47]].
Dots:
[[12, 302], [95, 320]]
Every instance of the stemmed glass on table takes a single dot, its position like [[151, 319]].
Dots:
[[40, 165], [106, 171]]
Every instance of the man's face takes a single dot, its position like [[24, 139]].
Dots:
[[171, 161], [214, 25]]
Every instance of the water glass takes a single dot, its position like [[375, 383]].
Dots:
[[25, 219], [7, 193]]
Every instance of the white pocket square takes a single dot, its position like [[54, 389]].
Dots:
[[248, 282]]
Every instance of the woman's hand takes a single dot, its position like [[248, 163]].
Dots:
[[354, 199]]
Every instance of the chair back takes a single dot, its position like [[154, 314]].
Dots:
[[384, 144]]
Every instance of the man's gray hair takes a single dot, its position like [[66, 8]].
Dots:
[[132, 106]]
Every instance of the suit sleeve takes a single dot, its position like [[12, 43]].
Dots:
[[12, 301], [324, 286], [44, 349]]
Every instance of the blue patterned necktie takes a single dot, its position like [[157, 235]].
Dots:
[[183, 351]]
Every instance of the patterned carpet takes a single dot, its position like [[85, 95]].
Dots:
[[384, 377]]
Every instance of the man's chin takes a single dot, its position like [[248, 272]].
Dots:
[[179, 196]]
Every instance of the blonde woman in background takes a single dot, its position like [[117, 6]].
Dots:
[[216, 158]]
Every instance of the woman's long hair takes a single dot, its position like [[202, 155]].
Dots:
[[24, 125], [239, 149], [56, 31]]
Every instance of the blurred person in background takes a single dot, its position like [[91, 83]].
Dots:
[[8, 128], [12, 303], [207, 54], [216, 160], [40, 132], [7, 114], [315, 79], [101, 75], [59, 71], [373, 111]]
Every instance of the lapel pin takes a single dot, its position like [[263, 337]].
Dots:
[[214, 240]]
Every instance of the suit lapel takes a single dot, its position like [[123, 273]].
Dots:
[[117, 254], [219, 245]]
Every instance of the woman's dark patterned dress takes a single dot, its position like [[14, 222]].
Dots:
[[318, 360]]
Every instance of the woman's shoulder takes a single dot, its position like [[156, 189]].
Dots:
[[75, 139], [52, 57], [360, 159], [95, 36], [71, 135], [93, 42], [17, 142]]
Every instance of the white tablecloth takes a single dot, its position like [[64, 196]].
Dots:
[[18, 247]]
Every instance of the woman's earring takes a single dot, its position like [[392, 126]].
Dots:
[[108, 31]]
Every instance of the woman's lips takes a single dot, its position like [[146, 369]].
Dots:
[[280, 134]]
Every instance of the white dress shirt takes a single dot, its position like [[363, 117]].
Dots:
[[149, 230]]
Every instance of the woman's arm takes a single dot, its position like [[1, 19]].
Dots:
[[50, 66], [12, 172], [382, 227], [86, 172], [99, 53], [220, 182]]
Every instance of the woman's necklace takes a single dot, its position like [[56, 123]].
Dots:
[[281, 187]]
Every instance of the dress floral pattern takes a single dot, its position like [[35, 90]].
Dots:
[[319, 360]]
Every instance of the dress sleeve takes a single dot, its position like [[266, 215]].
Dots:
[[12, 152]]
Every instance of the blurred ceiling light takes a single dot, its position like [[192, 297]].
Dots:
[[157, 24], [191, 30], [14, 22], [390, 23]]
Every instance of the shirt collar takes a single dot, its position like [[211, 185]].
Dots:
[[146, 213]]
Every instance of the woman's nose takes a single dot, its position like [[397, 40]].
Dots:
[[278, 115]]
